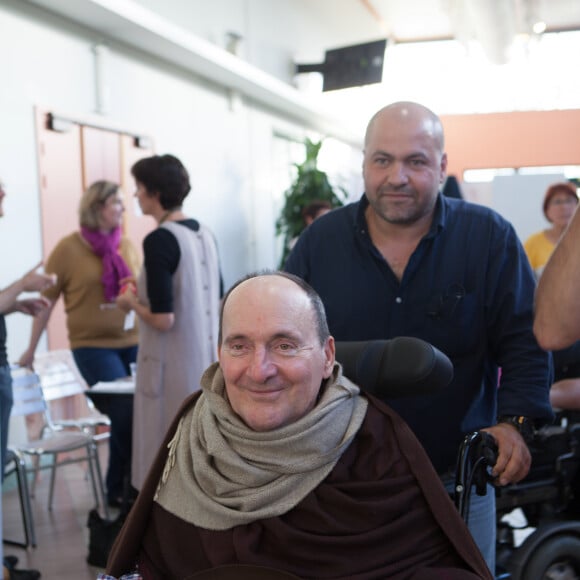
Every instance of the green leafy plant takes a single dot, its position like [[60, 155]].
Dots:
[[310, 185]]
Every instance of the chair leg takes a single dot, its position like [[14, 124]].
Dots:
[[26, 508], [52, 480], [20, 472], [35, 471], [97, 478]]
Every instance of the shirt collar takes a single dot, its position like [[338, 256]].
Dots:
[[439, 217]]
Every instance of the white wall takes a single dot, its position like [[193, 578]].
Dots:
[[275, 33], [519, 198], [227, 146]]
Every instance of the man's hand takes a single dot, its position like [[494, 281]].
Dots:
[[34, 281], [32, 306], [514, 459]]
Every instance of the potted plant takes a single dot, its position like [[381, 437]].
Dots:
[[310, 185]]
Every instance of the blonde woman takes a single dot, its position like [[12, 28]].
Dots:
[[89, 265]]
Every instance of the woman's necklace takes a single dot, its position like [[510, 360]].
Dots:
[[167, 214]]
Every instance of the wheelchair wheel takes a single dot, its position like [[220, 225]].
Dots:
[[556, 559]]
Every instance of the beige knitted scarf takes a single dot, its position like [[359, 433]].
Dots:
[[220, 474]]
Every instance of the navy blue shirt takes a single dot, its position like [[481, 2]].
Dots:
[[467, 289]]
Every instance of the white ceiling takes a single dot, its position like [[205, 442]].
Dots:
[[494, 23], [427, 19]]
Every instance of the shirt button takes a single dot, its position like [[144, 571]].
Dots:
[[398, 300]]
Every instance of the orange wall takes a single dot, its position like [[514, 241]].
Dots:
[[518, 139]]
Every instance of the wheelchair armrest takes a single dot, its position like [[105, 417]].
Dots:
[[399, 367]]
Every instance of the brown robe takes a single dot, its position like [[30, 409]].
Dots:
[[382, 513]]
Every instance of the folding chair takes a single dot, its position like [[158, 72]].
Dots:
[[60, 378], [54, 441], [15, 464]]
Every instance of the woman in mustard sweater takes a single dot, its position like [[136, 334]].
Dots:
[[89, 265]]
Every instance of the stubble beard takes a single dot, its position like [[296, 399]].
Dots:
[[403, 212]]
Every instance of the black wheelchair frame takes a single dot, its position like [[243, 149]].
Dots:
[[549, 498]]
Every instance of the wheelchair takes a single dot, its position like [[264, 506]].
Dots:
[[549, 497]]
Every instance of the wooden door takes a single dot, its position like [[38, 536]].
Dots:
[[101, 155], [61, 185], [72, 156]]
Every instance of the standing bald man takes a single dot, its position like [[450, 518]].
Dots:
[[406, 261]]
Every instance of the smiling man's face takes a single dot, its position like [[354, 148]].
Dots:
[[270, 355]]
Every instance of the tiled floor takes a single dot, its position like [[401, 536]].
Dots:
[[61, 535]]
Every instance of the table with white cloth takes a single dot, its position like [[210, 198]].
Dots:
[[104, 393]]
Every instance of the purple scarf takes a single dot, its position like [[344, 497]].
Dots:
[[114, 267]]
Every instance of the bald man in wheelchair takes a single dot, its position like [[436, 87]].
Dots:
[[281, 463]]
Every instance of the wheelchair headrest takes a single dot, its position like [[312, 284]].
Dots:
[[398, 367]]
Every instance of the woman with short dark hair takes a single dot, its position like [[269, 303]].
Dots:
[[177, 300]]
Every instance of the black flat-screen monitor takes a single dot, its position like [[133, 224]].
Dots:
[[354, 66]]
